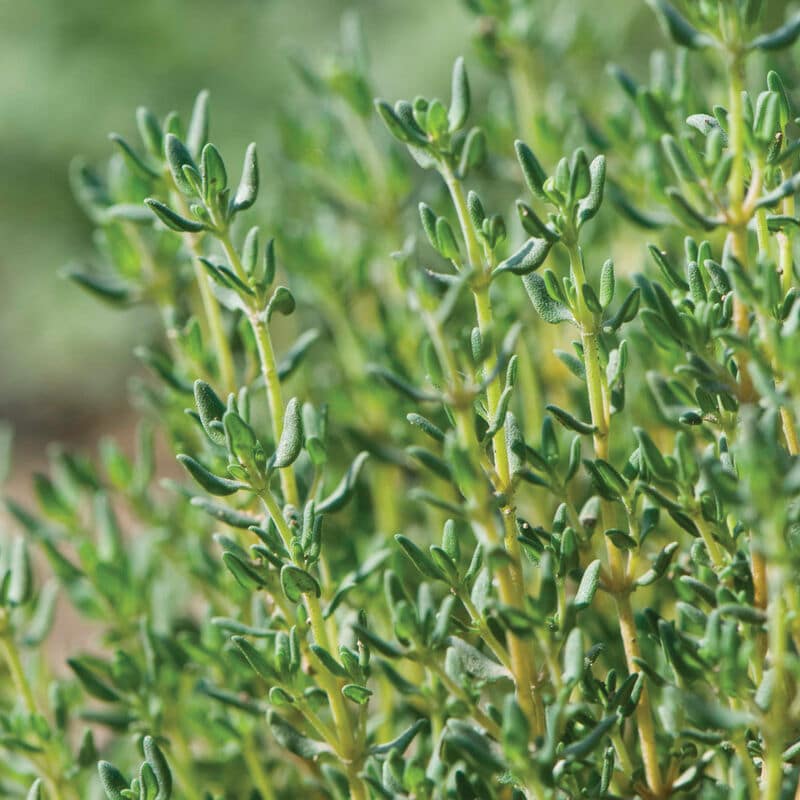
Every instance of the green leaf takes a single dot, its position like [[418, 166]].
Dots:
[[158, 763], [133, 159], [94, 685], [421, 560], [230, 516], [178, 157], [358, 694], [428, 218], [344, 490], [113, 782], [296, 582], [590, 205], [677, 159], [547, 308], [329, 662], [293, 357], [150, 131], [672, 276], [590, 299], [212, 171], [291, 441], [660, 565], [35, 792], [652, 456], [41, 623], [400, 384], [289, 737], [471, 661], [607, 284], [445, 240], [210, 409], [573, 657], [582, 748], [401, 742], [256, 659], [535, 176], [627, 311], [282, 301], [172, 219], [678, 27], [533, 225], [20, 586], [687, 213], [788, 187], [213, 484], [197, 134], [426, 426], [780, 38], [588, 585], [247, 191], [570, 422], [528, 258], [620, 539], [244, 573], [460, 96], [397, 126]]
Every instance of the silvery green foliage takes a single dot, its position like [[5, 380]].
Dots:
[[409, 553]]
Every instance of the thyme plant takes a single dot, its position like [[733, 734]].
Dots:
[[445, 542]]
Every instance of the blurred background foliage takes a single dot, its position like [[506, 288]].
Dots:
[[70, 71]]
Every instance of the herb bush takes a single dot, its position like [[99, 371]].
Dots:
[[431, 541]]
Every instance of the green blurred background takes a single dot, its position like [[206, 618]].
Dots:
[[73, 70]]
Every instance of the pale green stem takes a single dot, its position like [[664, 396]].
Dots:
[[211, 308], [269, 371]]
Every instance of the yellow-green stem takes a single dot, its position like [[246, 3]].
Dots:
[[254, 766], [269, 371], [601, 419], [644, 711], [341, 717], [510, 579], [785, 247], [11, 657], [266, 356], [492, 728], [181, 763], [486, 632]]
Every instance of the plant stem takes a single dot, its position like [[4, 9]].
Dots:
[[510, 579], [492, 728], [486, 632], [211, 308], [10, 655], [15, 668], [341, 717], [785, 246], [601, 419], [644, 711], [737, 214], [269, 371], [274, 510], [347, 746], [181, 765], [260, 778]]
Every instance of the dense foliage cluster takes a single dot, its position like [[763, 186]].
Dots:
[[467, 510]]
